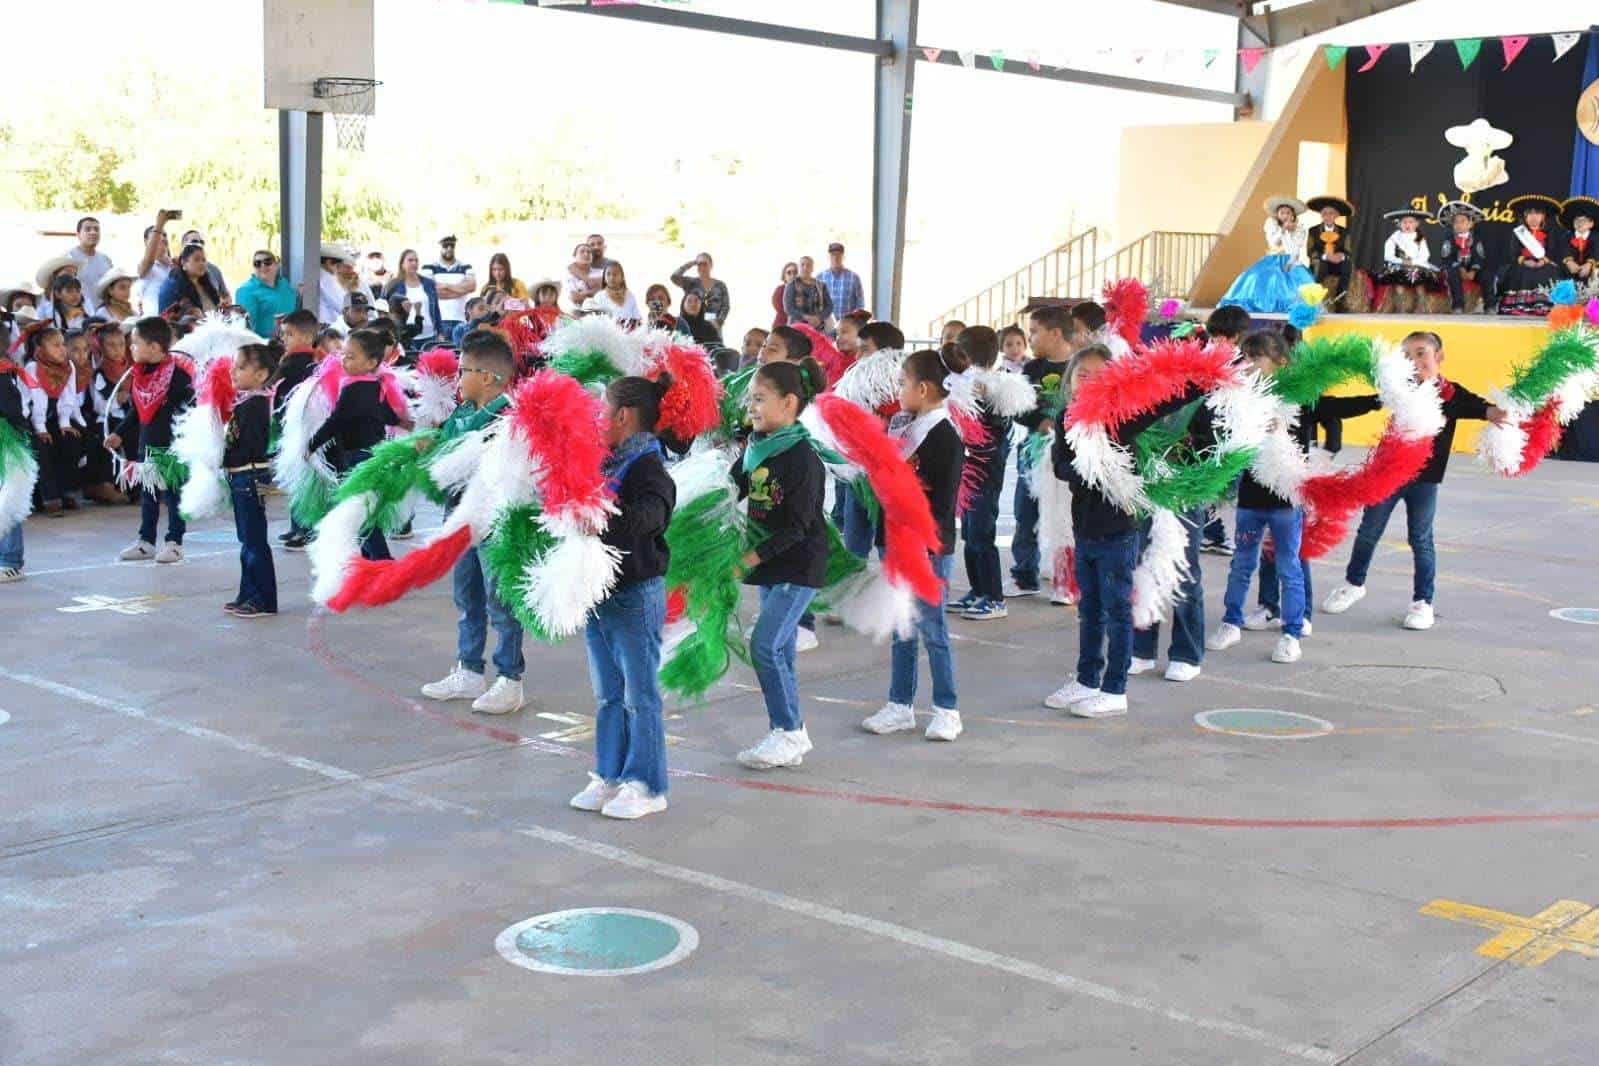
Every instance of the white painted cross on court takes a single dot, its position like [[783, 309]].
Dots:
[[580, 727], [126, 605]]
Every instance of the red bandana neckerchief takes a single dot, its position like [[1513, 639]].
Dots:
[[150, 384], [1580, 243], [1446, 388], [113, 369], [52, 376], [8, 367]]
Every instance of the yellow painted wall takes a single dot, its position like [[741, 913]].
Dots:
[[1183, 178], [1477, 354]]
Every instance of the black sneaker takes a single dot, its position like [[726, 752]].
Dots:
[[250, 610], [285, 536], [296, 542], [230, 606]]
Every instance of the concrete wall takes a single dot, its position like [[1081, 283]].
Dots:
[[1183, 178]]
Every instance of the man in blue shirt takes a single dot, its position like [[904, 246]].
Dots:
[[843, 285]]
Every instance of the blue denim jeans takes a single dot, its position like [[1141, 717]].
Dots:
[[479, 605], [1188, 612], [624, 645], [11, 547], [1286, 525], [932, 630], [1024, 542], [374, 545], [1421, 506], [858, 530], [1270, 594], [772, 651], [150, 513], [979, 527], [1105, 613], [258, 582]]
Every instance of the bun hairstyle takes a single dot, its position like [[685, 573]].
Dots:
[[265, 356], [797, 343], [804, 379], [642, 395], [370, 343], [885, 335], [1266, 342]]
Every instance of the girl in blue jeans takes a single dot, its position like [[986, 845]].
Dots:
[[624, 632], [784, 480], [934, 449]]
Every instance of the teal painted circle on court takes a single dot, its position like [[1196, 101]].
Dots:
[[1588, 616], [597, 942], [1263, 722]]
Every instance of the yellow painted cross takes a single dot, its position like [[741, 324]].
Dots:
[[1565, 925]]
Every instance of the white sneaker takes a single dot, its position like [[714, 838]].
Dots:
[[1305, 630], [780, 747], [1287, 650], [946, 725], [1419, 616], [633, 800], [458, 684], [170, 553], [805, 640], [1342, 598], [1181, 671], [596, 795], [1060, 598], [1260, 618], [503, 697], [136, 552], [1140, 666], [893, 718], [1226, 636], [1014, 591], [1073, 691], [9, 574], [1103, 705]]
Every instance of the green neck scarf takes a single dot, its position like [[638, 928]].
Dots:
[[763, 446]]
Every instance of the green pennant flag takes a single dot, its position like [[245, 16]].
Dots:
[[1210, 56], [1335, 55], [1468, 47], [997, 57]]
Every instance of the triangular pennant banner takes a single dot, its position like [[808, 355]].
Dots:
[[1513, 47], [1210, 56], [1250, 58], [1373, 53], [1418, 52], [1564, 42], [968, 57], [1335, 55], [1468, 47], [1032, 60], [997, 57], [1139, 55], [932, 54]]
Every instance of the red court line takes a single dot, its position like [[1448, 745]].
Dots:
[[325, 654]]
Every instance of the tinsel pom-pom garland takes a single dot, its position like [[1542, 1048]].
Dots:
[[433, 387], [1161, 571], [307, 479], [19, 471], [1545, 394], [692, 403], [872, 384], [1126, 308], [707, 536], [199, 438], [594, 349]]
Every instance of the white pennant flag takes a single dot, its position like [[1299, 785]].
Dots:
[[1418, 52], [967, 57], [1564, 42]]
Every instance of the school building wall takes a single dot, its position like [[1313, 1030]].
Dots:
[[1183, 178]]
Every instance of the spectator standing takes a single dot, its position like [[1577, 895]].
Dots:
[[424, 305], [843, 285], [712, 292], [500, 277], [191, 283], [454, 280], [330, 303], [212, 271], [155, 264], [580, 283], [113, 297], [92, 263], [598, 260], [375, 274], [805, 299], [780, 316], [267, 295]]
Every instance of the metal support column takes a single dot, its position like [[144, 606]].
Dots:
[[300, 197], [896, 22]]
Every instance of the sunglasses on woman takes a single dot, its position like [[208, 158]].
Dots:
[[265, 262]]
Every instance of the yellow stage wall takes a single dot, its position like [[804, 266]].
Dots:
[[1478, 352]]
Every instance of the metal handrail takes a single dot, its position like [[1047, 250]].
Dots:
[[1048, 275]]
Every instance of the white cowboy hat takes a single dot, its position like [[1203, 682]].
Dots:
[[25, 316], [109, 278], [22, 286], [46, 272], [1274, 202], [330, 250], [1478, 132]]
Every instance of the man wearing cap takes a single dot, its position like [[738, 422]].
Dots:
[[357, 313], [154, 265], [711, 291], [455, 282], [330, 305], [843, 285], [1464, 257], [1328, 248], [267, 295], [92, 263]]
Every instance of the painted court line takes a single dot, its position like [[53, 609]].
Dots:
[[953, 949], [187, 556]]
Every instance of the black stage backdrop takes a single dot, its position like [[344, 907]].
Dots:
[[1397, 153]]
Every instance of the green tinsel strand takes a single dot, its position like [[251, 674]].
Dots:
[[312, 501], [516, 539], [1319, 365], [393, 473], [169, 467], [707, 537], [842, 565], [588, 368], [735, 394], [1567, 353], [16, 454], [1194, 483]]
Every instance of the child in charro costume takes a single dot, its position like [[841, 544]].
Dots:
[[1464, 258], [1328, 250], [1525, 281], [1579, 215], [163, 385], [1408, 273]]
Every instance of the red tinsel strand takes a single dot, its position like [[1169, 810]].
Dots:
[[1543, 436], [975, 435], [375, 582], [1331, 500], [216, 389], [1138, 383], [909, 531], [1126, 308], [441, 363], [560, 422], [676, 604], [824, 351], [692, 404]]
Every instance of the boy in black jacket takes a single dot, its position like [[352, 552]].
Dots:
[[299, 330], [244, 458], [14, 414], [1426, 352], [162, 386]]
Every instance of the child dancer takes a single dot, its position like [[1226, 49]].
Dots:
[[1013, 348], [299, 331], [360, 418], [1328, 249], [14, 405], [624, 632], [933, 446], [1407, 271], [1224, 324], [978, 346], [1581, 260], [244, 457], [161, 388], [56, 419], [1426, 353], [487, 369], [784, 479]]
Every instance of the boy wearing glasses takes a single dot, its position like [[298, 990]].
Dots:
[[267, 294]]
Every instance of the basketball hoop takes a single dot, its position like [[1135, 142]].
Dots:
[[350, 102]]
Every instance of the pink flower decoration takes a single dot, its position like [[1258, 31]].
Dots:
[[1593, 310]]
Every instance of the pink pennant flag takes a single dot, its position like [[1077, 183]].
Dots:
[[1373, 53], [1512, 47], [1032, 60], [1139, 55], [932, 54], [1250, 58]]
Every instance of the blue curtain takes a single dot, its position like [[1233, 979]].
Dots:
[[1585, 157]]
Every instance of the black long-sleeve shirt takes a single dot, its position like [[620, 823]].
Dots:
[[1036, 371], [938, 462], [1094, 517], [249, 432], [295, 367], [157, 433], [785, 495], [357, 422], [644, 501], [1458, 402], [11, 404], [1254, 496]]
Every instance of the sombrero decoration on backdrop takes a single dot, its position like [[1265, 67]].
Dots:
[[1345, 208]]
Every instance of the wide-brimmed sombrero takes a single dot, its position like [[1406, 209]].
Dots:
[[1274, 202], [1578, 205], [1460, 207], [1548, 204], [1407, 212], [1345, 208]]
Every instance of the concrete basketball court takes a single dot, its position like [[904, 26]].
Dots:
[[249, 842]]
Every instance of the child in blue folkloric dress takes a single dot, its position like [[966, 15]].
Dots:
[[1271, 284]]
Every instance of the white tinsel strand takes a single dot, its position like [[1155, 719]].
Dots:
[[872, 382], [1575, 392], [873, 607], [811, 419], [1279, 464], [337, 542], [1162, 570], [16, 492], [703, 472], [432, 398], [452, 463], [1007, 394], [293, 467], [1054, 510], [598, 333], [1415, 406], [1243, 413], [199, 439], [1108, 467], [962, 389], [1500, 447], [216, 336], [562, 587]]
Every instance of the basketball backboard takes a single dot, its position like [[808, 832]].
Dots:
[[310, 39]]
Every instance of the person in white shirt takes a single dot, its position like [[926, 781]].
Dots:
[[330, 305], [1408, 273], [578, 283], [1271, 284], [92, 263], [615, 299], [154, 265], [455, 281]]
